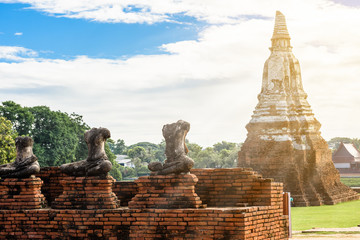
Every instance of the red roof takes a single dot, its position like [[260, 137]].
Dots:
[[346, 152]]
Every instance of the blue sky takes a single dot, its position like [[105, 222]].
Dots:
[[134, 65], [61, 37]]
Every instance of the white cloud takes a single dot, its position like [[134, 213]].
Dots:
[[212, 82], [16, 53], [152, 11], [18, 34]]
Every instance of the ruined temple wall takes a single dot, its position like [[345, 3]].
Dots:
[[52, 188], [309, 174], [51, 177], [123, 223], [229, 222], [235, 187], [248, 223], [216, 187], [125, 191]]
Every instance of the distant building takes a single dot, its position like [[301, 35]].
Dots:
[[347, 158], [123, 160]]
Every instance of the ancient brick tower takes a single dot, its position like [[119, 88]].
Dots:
[[284, 140]]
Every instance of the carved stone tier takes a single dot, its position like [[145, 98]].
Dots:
[[284, 140], [87, 193], [21, 193], [166, 192]]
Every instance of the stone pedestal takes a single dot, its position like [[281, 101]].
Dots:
[[21, 193], [166, 192], [86, 193]]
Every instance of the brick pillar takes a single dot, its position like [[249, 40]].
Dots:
[[166, 192], [86, 193], [21, 193]]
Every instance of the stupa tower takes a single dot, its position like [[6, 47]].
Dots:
[[284, 140]]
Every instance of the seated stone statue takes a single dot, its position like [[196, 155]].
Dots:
[[97, 163], [25, 164], [176, 160]]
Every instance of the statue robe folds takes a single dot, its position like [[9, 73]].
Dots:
[[97, 163], [25, 164], [176, 160]]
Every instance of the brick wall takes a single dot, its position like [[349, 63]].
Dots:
[[123, 223], [52, 188], [216, 187], [125, 191], [166, 192], [259, 214], [236, 187], [22, 193]]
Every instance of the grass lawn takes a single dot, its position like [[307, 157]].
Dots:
[[351, 182], [341, 215]]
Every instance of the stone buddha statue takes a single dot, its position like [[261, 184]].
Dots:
[[25, 164], [97, 163], [175, 151]]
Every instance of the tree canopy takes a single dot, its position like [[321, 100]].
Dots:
[[115, 171], [117, 147], [221, 155], [7, 141], [58, 137], [20, 117], [335, 142]]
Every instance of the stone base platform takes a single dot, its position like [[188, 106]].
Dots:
[[335, 195], [21, 193], [166, 192], [86, 193]]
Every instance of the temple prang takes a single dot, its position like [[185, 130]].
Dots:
[[284, 140]]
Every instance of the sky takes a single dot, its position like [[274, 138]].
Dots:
[[132, 66]]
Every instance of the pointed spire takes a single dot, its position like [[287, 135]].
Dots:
[[280, 40], [280, 29]]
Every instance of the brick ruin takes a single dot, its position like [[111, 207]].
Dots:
[[227, 204], [284, 140], [18, 194], [283, 143]]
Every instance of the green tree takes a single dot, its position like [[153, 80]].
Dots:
[[21, 118], [58, 137], [228, 158], [80, 127], [7, 141], [224, 145], [128, 172], [137, 162], [221, 155], [145, 145], [227, 153], [194, 149], [117, 147], [153, 152], [160, 152], [207, 158], [137, 152], [142, 170], [335, 142], [141, 154], [115, 171]]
